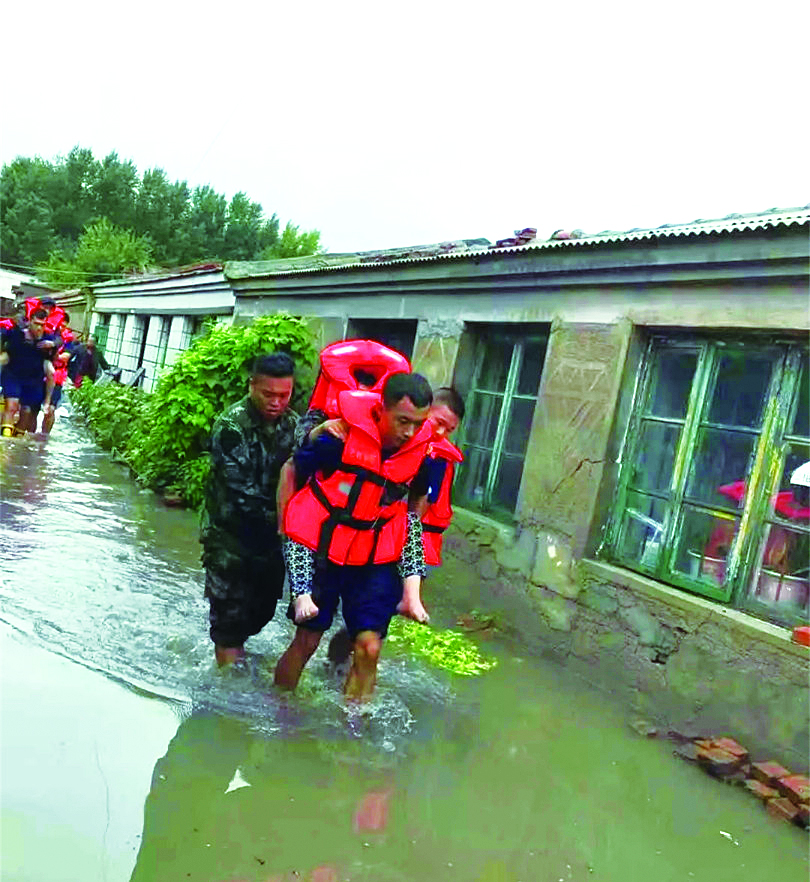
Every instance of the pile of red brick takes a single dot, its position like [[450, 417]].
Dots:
[[785, 795]]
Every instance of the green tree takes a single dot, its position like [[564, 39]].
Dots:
[[293, 243], [104, 251], [26, 219]]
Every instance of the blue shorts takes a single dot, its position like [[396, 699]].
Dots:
[[56, 395], [30, 392], [369, 595]]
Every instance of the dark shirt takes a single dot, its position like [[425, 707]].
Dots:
[[26, 356], [239, 522], [325, 454]]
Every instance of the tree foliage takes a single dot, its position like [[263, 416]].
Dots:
[[104, 250], [45, 207], [167, 431]]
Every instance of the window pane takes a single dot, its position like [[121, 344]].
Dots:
[[472, 476], [481, 424], [519, 426], [783, 579], [704, 545], [643, 523], [672, 381], [801, 419], [505, 491], [534, 353], [740, 389], [496, 358], [721, 461], [791, 503], [656, 453]]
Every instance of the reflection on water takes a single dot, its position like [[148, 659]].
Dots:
[[521, 774]]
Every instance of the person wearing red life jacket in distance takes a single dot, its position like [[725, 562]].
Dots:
[[28, 373], [353, 512]]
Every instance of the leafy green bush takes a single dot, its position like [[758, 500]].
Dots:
[[165, 442], [111, 411]]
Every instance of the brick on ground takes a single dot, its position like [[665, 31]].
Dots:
[[760, 790], [769, 773], [782, 807], [731, 746], [718, 762], [796, 788]]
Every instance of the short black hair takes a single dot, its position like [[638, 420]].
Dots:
[[47, 301], [275, 364], [401, 385], [364, 378], [449, 397], [39, 314], [67, 317]]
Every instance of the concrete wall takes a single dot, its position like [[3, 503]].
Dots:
[[676, 659]]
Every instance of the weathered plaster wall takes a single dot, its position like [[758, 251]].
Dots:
[[678, 659], [571, 428], [436, 348]]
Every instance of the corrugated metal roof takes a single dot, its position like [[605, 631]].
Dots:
[[771, 218]]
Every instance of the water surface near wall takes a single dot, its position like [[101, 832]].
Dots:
[[521, 774]]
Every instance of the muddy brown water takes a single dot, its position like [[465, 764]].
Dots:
[[126, 755]]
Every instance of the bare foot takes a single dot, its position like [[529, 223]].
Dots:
[[304, 608], [227, 655], [411, 608]]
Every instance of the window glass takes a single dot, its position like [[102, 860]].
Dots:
[[642, 529], [495, 368], [481, 421], [783, 580], [673, 372], [656, 454], [722, 459], [800, 425], [534, 354], [520, 425], [472, 478], [505, 492], [705, 542], [740, 389]]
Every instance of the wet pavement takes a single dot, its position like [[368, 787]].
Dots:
[[125, 754]]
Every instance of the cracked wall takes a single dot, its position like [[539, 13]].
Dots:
[[571, 428], [681, 665]]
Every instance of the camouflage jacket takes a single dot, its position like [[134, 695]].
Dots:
[[239, 523]]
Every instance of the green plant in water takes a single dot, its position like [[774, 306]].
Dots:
[[447, 649]]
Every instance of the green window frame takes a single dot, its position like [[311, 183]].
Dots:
[[500, 409], [704, 500]]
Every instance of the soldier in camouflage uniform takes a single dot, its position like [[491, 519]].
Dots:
[[244, 568]]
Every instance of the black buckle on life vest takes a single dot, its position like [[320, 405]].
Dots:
[[432, 528], [343, 516]]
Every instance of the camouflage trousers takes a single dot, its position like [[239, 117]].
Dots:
[[243, 598]]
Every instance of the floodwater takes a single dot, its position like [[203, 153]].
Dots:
[[127, 755]]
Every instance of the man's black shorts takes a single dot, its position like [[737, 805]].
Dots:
[[369, 595], [242, 600]]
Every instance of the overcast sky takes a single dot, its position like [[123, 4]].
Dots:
[[386, 125]]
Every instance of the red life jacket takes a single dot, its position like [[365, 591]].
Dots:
[[359, 514], [56, 315], [340, 360], [439, 513]]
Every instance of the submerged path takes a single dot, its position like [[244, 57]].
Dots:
[[523, 773]]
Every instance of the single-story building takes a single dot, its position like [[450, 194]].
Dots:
[[143, 323], [637, 404]]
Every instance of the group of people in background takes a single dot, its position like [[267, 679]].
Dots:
[[38, 352], [349, 502]]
